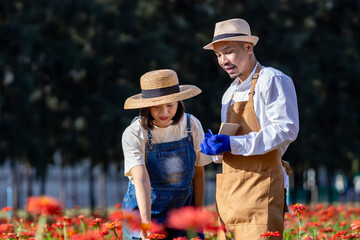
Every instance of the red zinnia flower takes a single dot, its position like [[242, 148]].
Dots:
[[270, 234], [355, 225], [156, 236], [6, 228], [91, 235], [7, 209], [9, 236], [116, 215], [157, 228], [118, 206], [96, 221], [299, 208], [190, 218], [44, 205]]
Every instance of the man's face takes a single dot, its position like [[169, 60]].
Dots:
[[234, 58]]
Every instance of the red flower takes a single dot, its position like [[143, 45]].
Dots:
[[190, 218], [340, 234], [116, 215], [27, 234], [156, 236], [112, 225], [57, 225], [118, 206], [132, 219], [299, 208], [44, 205], [355, 225], [352, 236], [7, 209], [157, 228], [6, 228], [270, 234], [96, 221], [91, 235], [181, 238], [9, 236]]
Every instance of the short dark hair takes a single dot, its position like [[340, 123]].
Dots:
[[147, 119]]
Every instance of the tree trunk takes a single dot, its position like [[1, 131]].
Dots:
[[63, 180], [91, 188], [29, 191], [43, 182], [14, 183], [102, 188], [75, 192]]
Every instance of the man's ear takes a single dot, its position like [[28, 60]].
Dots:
[[249, 47]]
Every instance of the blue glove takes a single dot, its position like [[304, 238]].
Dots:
[[215, 144], [219, 143], [205, 147]]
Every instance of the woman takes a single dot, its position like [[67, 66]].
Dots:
[[164, 168]]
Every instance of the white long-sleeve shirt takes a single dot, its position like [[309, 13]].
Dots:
[[276, 110]]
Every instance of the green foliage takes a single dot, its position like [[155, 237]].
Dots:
[[68, 67]]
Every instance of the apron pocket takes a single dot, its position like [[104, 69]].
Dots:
[[243, 197]]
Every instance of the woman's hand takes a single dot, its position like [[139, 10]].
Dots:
[[144, 234]]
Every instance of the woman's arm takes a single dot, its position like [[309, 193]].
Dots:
[[142, 190], [199, 183]]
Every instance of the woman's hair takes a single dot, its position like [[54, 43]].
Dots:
[[147, 119]]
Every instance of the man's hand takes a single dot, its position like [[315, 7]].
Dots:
[[215, 144]]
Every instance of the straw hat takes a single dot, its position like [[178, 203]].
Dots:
[[160, 87], [236, 29]]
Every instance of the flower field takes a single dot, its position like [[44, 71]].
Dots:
[[44, 218]]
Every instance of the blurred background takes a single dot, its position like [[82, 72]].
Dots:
[[66, 68]]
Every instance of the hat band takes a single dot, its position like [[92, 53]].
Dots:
[[227, 35], [159, 92]]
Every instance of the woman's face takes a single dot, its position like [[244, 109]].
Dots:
[[163, 114]]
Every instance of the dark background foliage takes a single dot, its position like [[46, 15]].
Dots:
[[68, 66]]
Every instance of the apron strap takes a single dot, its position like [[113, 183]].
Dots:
[[254, 81]]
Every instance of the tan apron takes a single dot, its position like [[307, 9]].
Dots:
[[250, 191]]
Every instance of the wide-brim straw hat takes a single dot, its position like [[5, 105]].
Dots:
[[160, 87], [236, 29]]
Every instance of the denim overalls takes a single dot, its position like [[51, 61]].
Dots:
[[171, 169]]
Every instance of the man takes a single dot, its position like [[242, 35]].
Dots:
[[250, 190]]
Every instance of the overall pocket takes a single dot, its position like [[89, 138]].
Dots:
[[243, 197]]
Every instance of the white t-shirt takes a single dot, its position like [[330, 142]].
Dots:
[[134, 140]]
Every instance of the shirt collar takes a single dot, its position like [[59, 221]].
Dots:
[[237, 82]]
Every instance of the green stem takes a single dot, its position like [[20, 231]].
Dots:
[[117, 237], [83, 227], [40, 227], [298, 214], [191, 233], [65, 232], [98, 227]]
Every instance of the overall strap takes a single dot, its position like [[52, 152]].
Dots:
[[188, 126], [150, 144], [254, 80]]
